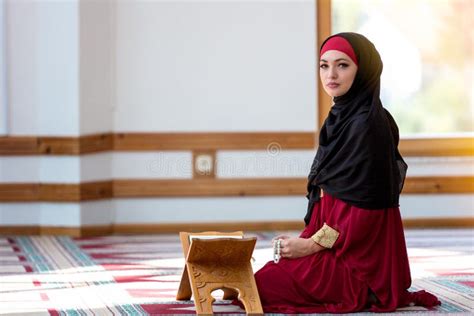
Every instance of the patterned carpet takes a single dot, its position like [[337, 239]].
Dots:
[[139, 275]]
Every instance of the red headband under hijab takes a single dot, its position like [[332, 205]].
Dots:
[[340, 44]]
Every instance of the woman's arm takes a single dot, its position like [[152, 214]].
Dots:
[[299, 247], [324, 238]]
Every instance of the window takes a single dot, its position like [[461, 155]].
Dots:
[[427, 50]]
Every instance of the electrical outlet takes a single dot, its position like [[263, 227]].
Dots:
[[204, 164]]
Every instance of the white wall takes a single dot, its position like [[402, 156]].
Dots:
[[202, 210], [3, 73], [98, 66], [215, 66], [45, 169], [42, 54]]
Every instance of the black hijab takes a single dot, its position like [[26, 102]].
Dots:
[[358, 160]]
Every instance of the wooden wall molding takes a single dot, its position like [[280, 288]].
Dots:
[[58, 145], [434, 147], [141, 188], [53, 145], [19, 192], [96, 143], [216, 141], [170, 228], [30, 145], [209, 187], [55, 192], [18, 145], [97, 190], [444, 185], [439, 222], [40, 145]]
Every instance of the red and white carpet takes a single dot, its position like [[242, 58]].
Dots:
[[139, 275]]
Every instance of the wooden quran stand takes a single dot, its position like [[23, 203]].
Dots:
[[218, 261]]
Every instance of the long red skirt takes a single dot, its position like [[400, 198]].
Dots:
[[370, 253]]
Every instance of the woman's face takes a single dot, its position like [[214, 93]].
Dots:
[[337, 72]]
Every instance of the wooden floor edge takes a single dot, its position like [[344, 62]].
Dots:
[[168, 228]]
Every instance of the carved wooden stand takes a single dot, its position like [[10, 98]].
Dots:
[[222, 263]]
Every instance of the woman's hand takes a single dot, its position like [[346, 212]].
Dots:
[[280, 237], [298, 247]]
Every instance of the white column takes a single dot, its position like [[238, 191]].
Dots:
[[96, 63], [96, 86], [42, 39], [3, 73], [39, 95]]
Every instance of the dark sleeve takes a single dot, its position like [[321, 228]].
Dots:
[[393, 128], [313, 196]]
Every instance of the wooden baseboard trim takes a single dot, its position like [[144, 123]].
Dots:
[[60, 231], [85, 231], [268, 226], [198, 227], [171, 228], [101, 230], [19, 230]]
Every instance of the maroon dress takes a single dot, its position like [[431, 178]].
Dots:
[[370, 253]]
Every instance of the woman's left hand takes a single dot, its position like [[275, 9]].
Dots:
[[298, 247]]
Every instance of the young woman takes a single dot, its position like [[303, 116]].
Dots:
[[352, 254]]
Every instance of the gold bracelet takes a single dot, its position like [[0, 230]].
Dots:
[[326, 236]]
